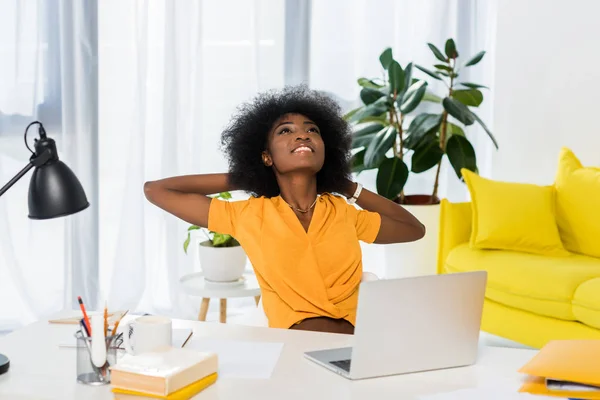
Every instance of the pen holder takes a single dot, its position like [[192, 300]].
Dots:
[[87, 372]]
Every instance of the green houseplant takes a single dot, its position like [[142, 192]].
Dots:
[[222, 259], [215, 239], [379, 124], [382, 141], [434, 135]]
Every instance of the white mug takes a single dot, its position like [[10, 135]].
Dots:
[[147, 333]]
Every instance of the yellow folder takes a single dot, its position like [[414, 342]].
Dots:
[[184, 393], [569, 361], [537, 385]]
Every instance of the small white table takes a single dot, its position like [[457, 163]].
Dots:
[[41, 370], [195, 285]]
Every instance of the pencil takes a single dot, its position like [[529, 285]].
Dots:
[[117, 323], [85, 316], [105, 320]]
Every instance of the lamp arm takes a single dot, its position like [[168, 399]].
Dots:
[[16, 178], [34, 161]]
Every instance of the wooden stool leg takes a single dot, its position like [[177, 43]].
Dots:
[[203, 309], [257, 299], [223, 309]]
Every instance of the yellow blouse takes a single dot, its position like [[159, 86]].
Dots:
[[301, 274]]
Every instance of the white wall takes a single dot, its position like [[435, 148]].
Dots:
[[547, 82]]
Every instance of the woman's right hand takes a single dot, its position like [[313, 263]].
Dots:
[[186, 197]]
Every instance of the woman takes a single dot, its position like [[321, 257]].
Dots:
[[291, 150]]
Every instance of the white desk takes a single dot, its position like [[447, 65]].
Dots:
[[41, 370]]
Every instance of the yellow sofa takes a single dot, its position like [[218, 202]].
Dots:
[[530, 298]]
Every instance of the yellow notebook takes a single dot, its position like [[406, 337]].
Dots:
[[184, 393], [565, 368]]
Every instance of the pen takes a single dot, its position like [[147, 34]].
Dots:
[[85, 316], [84, 327]]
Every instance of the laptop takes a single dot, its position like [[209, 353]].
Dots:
[[410, 325]]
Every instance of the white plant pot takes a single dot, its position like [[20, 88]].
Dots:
[[415, 258], [221, 264]]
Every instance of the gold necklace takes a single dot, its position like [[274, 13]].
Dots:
[[299, 210]]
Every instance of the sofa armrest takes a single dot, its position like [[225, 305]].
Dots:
[[455, 229]]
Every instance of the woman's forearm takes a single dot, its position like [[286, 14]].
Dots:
[[186, 196], [204, 184], [398, 225]]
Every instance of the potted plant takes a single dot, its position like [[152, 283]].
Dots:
[[427, 139], [222, 259]]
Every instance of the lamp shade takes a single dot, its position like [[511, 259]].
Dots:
[[55, 191]]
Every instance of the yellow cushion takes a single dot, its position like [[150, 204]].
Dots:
[[534, 283], [513, 216], [578, 205], [586, 303]]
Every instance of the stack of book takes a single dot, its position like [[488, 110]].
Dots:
[[171, 373], [565, 368]]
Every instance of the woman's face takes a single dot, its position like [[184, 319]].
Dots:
[[294, 144]]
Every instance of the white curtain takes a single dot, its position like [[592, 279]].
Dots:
[[171, 75], [47, 74]]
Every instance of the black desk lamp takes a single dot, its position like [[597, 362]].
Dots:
[[54, 190]]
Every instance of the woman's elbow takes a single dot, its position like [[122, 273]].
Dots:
[[149, 190], [420, 231]]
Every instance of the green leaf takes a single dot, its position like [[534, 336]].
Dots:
[[381, 144], [458, 110], [473, 85], [461, 154], [350, 113], [476, 58], [186, 243], [363, 136], [386, 58], [431, 97], [362, 141], [452, 129], [381, 119], [221, 239], [391, 177], [469, 97], [370, 95], [193, 228], [368, 83], [426, 156], [396, 77], [419, 127], [225, 195], [443, 67], [451, 49], [485, 128], [413, 97], [448, 74], [371, 110], [367, 129], [358, 162], [424, 123], [437, 53], [428, 72], [408, 76]]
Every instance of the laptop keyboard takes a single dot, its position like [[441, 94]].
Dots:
[[343, 364]]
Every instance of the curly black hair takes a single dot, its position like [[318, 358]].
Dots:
[[245, 138]]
